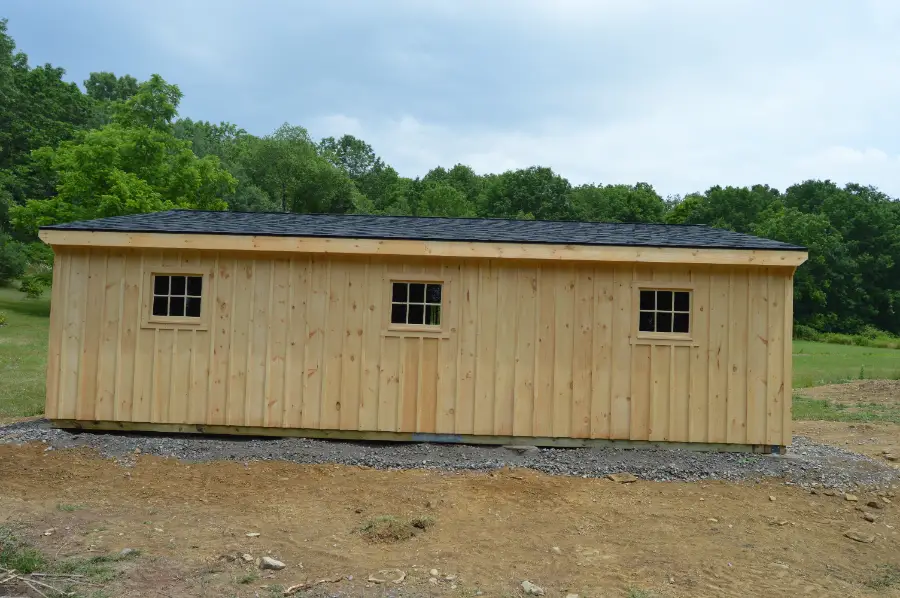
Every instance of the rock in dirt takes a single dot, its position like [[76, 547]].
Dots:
[[127, 552], [432, 580], [521, 448], [572, 596], [556, 550], [252, 534], [860, 537], [268, 562], [890, 457], [851, 497], [532, 590], [247, 558], [433, 572], [772, 497], [388, 576], [622, 478], [869, 517], [829, 493], [874, 504]]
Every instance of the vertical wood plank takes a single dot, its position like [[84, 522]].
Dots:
[[131, 323], [109, 354], [242, 312], [389, 385], [448, 358], [642, 392], [787, 377], [718, 360], [409, 391], [258, 335], [660, 373], [221, 328], [426, 415], [679, 415], [371, 350], [163, 348], [58, 321], [146, 346], [486, 321], [468, 347], [89, 364], [351, 354], [526, 325], [601, 352], [546, 348], [622, 395], [295, 369], [737, 357], [279, 330], [700, 358], [564, 347], [582, 352], [334, 345], [181, 371], [757, 349], [199, 345], [505, 350], [775, 358], [316, 317], [73, 334]]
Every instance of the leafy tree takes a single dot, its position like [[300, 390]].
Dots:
[[134, 165], [733, 208], [531, 192], [618, 203], [354, 156], [106, 87], [13, 259], [438, 199]]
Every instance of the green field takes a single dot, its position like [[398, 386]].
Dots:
[[23, 353]]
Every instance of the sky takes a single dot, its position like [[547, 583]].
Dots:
[[682, 94]]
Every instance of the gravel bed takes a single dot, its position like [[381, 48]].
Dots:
[[808, 464]]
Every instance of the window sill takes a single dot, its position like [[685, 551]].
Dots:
[[414, 332], [174, 323], [670, 340]]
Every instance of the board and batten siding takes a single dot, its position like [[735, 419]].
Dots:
[[544, 349]]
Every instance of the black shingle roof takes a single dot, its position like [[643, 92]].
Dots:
[[426, 229]]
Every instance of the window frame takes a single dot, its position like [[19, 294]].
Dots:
[[667, 338], [148, 320], [415, 330]]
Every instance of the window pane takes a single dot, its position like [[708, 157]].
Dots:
[[416, 314], [682, 301], [682, 323], [664, 300], [433, 293], [399, 293], [417, 292], [160, 306], [647, 321], [398, 313], [195, 285], [193, 307], [663, 321], [178, 285], [160, 285], [648, 300], [176, 306], [433, 315]]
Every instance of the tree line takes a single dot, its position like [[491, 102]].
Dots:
[[117, 146]]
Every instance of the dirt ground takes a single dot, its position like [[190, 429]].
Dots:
[[851, 393], [492, 530]]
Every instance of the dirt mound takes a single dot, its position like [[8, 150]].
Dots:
[[860, 391]]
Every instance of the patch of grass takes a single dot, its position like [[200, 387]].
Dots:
[[23, 353], [887, 576], [96, 568], [248, 578], [816, 364], [387, 528], [638, 593], [18, 554], [820, 409], [67, 508]]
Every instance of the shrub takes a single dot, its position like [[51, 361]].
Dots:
[[33, 286], [13, 259], [806, 333], [2, 319]]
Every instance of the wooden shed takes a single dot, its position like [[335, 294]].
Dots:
[[423, 329]]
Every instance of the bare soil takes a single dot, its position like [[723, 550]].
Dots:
[[856, 392], [491, 530]]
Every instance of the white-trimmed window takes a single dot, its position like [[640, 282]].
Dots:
[[416, 303], [664, 311]]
